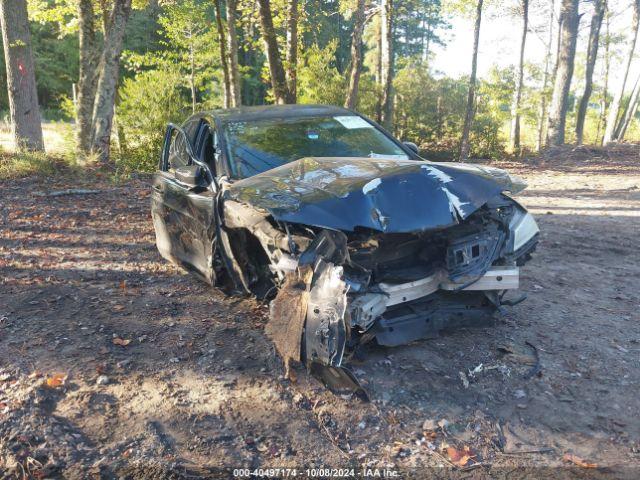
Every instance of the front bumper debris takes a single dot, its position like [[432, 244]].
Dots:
[[313, 315], [340, 290]]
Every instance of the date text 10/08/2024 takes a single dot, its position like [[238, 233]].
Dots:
[[315, 473]]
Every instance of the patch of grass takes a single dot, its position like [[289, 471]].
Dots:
[[58, 159], [18, 165]]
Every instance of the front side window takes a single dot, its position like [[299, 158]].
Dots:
[[178, 154], [259, 145]]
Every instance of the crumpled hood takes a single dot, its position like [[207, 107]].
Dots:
[[388, 195]]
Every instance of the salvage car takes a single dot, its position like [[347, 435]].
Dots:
[[351, 234]]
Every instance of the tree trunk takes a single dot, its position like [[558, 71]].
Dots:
[[629, 112], [235, 94], [559, 100], [558, 45], [26, 126], [604, 102], [514, 138], [355, 67], [192, 77], [88, 74], [592, 54], [292, 50], [104, 9], [226, 80], [276, 70], [439, 122], [614, 109], [554, 75], [542, 109], [465, 147], [108, 80], [386, 61], [378, 67]]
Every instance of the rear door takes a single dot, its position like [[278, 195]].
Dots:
[[182, 210]]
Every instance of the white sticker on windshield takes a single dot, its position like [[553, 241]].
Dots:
[[389, 156], [352, 122]]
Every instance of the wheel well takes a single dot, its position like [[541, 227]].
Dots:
[[253, 260]]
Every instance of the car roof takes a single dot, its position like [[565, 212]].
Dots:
[[275, 111]]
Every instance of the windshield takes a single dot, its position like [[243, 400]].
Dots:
[[259, 145]]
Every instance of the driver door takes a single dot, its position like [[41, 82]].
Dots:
[[183, 203]]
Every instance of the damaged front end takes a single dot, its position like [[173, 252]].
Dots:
[[340, 288]]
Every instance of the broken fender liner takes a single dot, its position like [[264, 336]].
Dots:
[[326, 330], [307, 318], [287, 316]]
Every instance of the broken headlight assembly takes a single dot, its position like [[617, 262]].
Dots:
[[522, 230]]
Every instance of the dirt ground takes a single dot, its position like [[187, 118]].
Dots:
[[115, 364]]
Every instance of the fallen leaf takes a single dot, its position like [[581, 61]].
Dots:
[[430, 434], [392, 418], [121, 341], [459, 457], [274, 451], [56, 380], [569, 457]]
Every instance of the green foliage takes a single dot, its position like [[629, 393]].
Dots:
[[463, 8], [318, 78], [419, 25], [186, 43], [322, 24], [431, 112], [58, 13], [66, 108], [56, 63], [368, 94], [143, 31], [147, 103]]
